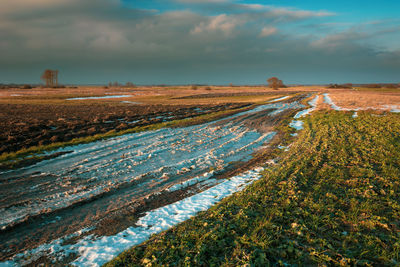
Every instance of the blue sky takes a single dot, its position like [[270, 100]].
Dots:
[[200, 41]]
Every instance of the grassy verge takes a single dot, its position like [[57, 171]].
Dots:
[[35, 153], [333, 200]]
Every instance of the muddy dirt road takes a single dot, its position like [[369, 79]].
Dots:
[[103, 186]]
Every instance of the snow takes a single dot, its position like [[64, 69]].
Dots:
[[94, 168], [95, 251], [312, 103], [328, 100], [298, 125], [279, 99], [99, 97], [190, 182], [130, 102], [149, 162], [393, 108]]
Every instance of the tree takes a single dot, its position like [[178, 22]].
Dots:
[[275, 83], [50, 77]]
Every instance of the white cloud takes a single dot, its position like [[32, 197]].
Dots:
[[267, 31], [222, 23]]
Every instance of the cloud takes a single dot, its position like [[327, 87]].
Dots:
[[219, 24], [93, 40], [267, 31]]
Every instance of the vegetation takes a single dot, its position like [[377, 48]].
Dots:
[[332, 200], [275, 83]]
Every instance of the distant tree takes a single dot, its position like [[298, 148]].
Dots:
[[275, 83], [50, 77], [129, 84]]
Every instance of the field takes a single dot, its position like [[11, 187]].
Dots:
[[302, 175]]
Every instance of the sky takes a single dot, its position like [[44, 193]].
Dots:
[[200, 41]]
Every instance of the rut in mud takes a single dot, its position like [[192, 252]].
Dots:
[[96, 182]]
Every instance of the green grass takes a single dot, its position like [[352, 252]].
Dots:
[[332, 200], [16, 159]]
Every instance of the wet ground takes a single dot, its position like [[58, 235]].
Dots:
[[105, 186]]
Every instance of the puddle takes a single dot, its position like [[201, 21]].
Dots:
[[98, 97]]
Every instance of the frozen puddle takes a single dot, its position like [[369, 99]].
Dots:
[[82, 187], [99, 97]]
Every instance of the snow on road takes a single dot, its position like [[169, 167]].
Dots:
[[129, 167], [298, 124], [96, 251], [279, 99]]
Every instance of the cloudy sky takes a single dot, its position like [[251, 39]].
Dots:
[[200, 41]]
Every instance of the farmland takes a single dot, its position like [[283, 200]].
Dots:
[[302, 175]]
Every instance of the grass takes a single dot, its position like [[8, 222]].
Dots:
[[36, 153], [332, 200]]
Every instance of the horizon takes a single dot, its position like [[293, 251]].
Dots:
[[183, 42]]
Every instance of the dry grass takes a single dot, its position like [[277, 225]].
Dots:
[[364, 99], [349, 98], [145, 95]]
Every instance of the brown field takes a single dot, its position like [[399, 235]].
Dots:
[[365, 99], [40, 116]]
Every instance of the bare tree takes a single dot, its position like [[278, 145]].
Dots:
[[275, 83], [50, 77]]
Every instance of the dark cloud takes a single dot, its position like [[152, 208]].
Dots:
[[102, 40]]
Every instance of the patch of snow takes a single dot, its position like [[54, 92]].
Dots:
[[279, 99], [393, 108], [131, 102], [298, 125], [96, 251], [285, 148], [312, 103], [190, 182], [98, 97], [329, 101]]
